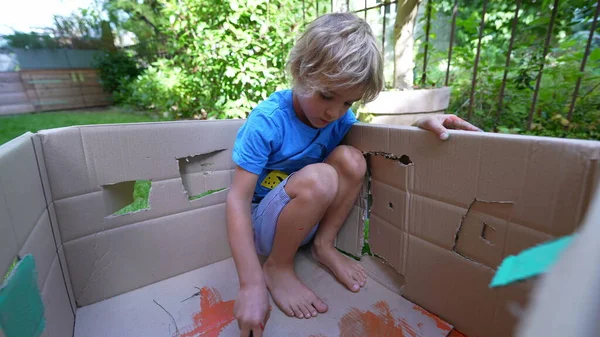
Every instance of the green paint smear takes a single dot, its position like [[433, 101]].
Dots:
[[12, 266], [141, 198], [209, 192], [366, 249], [21, 306]]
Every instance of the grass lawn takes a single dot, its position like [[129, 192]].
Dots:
[[14, 126]]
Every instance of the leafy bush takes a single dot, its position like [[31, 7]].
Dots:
[[116, 70], [160, 88], [226, 56], [560, 72]]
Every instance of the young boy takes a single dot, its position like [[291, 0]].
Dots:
[[293, 181]]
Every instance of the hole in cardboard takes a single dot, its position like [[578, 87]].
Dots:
[[127, 197], [488, 233], [404, 159], [390, 205], [481, 232], [196, 171]]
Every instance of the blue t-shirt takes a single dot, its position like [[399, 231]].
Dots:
[[274, 142]]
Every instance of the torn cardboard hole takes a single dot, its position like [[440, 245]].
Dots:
[[482, 231], [488, 233], [197, 174], [126, 197], [403, 159]]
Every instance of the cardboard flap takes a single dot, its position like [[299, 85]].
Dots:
[[410, 101], [466, 203]]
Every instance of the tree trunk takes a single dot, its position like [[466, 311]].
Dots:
[[404, 27]]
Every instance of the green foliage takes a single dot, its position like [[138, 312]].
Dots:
[[31, 40], [116, 70], [226, 56], [161, 88], [82, 29], [560, 67], [145, 20]]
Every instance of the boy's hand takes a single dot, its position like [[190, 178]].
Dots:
[[440, 123], [252, 310]]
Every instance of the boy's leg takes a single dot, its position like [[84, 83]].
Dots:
[[312, 190], [351, 167]]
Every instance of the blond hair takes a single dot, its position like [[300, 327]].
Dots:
[[337, 51]]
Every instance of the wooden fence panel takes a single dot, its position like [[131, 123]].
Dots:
[[48, 90]]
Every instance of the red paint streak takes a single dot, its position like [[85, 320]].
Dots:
[[379, 322], [420, 325], [213, 317], [301, 228], [319, 335], [456, 333], [438, 321]]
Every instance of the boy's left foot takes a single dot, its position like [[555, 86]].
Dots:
[[347, 271]]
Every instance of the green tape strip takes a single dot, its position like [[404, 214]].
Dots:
[[21, 306], [530, 262]]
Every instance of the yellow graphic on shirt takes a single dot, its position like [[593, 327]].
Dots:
[[273, 179]]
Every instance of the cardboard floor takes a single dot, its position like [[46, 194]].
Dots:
[[200, 303]]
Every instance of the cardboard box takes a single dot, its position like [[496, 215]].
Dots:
[[442, 216]]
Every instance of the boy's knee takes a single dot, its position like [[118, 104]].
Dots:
[[350, 162], [318, 182]]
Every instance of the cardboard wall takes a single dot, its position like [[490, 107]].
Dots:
[[444, 214], [91, 171], [28, 226]]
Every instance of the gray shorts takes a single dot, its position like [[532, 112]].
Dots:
[[265, 215]]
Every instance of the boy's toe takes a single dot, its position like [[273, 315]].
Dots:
[[319, 305], [305, 311], [297, 312]]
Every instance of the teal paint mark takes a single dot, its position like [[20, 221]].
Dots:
[[21, 306], [530, 262]]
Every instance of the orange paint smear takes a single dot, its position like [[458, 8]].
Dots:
[[379, 322], [213, 317], [456, 333], [438, 321]]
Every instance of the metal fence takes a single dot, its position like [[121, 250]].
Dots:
[[383, 7]]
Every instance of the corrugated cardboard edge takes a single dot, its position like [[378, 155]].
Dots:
[[566, 301], [37, 146]]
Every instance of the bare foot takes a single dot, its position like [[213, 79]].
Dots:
[[347, 271], [290, 294]]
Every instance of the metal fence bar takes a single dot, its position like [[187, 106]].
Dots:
[[385, 3], [331, 8], [347, 5], [539, 77], [303, 13], [474, 81], [584, 60], [383, 35], [317, 7], [451, 45], [427, 29], [508, 54]]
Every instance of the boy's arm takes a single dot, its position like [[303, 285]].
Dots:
[[252, 303], [239, 228]]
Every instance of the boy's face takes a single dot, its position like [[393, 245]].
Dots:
[[324, 107]]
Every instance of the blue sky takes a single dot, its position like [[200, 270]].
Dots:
[[25, 15]]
